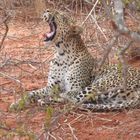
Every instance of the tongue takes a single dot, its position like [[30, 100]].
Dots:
[[51, 33]]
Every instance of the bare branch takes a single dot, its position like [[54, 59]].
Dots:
[[112, 42], [124, 65], [119, 21]]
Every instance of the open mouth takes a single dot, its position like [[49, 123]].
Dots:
[[50, 36]]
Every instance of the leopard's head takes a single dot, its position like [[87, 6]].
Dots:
[[61, 26]]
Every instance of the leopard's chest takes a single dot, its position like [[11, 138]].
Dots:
[[59, 66]]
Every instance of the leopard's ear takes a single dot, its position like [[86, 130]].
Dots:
[[75, 30]]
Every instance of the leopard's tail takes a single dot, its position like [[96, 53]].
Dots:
[[115, 100]]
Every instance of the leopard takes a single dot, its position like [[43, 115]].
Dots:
[[73, 75]]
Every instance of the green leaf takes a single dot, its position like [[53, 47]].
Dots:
[[48, 116]]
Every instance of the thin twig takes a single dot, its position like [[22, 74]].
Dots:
[[51, 136], [72, 132], [4, 19], [9, 77], [95, 21], [107, 9], [5, 128], [5, 34], [73, 121], [109, 47], [90, 12]]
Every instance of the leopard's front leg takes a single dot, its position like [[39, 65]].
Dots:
[[41, 97], [47, 94]]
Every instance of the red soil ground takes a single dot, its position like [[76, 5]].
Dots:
[[25, 59]]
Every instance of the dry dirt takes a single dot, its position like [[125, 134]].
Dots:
[[24, 63]]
